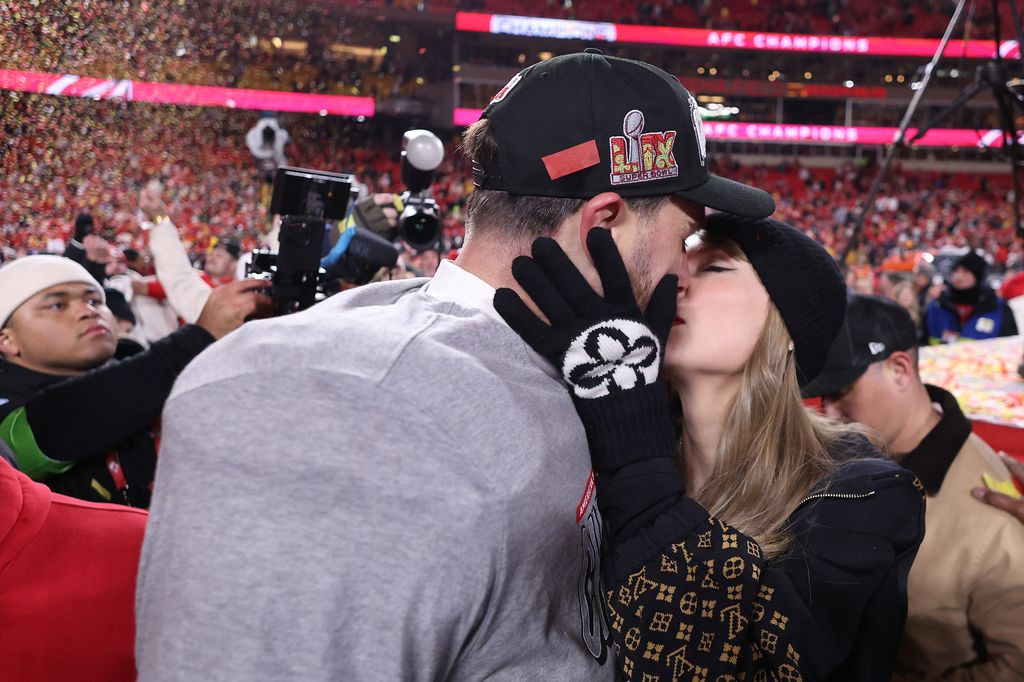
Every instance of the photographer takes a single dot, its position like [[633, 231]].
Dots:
[[82, 424]]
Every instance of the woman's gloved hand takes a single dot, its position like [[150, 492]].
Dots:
[[608, 351]]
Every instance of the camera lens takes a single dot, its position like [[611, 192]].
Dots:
[[420, 229]]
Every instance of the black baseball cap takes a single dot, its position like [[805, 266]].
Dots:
[[585, 123], [874, 329], [230, 245]]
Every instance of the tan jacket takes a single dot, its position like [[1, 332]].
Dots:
[[969, 575]]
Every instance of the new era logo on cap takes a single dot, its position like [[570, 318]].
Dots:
[[876, 347]]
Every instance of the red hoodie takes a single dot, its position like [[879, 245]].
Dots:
[[67, 584]]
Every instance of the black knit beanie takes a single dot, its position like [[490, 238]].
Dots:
[[974, 263], [802, 279]]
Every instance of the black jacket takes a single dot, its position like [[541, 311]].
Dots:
[[688, 593], [99, 425]]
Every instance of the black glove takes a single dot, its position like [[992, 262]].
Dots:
[[608, 351]]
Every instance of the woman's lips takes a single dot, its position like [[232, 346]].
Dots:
[[678, 321]]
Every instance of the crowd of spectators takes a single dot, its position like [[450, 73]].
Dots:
[[63, 156], [236, 43], [228, 43]]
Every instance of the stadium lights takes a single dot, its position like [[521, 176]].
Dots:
[[358, 50], [848, 83], [394, 38]]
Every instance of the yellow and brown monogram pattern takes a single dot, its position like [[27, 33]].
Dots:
[[700, 614]]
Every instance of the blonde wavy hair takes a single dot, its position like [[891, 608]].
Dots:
[[773, 450]]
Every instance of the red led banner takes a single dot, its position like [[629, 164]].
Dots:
[[191, 95], [739, 40], [793, 133]]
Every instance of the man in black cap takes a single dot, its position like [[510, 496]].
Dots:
[[421, 559], [969, 309], [221, 262], [966, 588]]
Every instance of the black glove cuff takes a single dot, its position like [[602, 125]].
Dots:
[[628, 426]]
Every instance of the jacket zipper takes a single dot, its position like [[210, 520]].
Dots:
[[840, 496]]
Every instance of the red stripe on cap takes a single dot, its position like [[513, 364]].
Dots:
[[572, 160]]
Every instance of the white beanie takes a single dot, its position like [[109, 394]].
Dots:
[[23, 278]]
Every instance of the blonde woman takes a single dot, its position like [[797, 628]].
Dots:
[[905, 295], [766, 542]]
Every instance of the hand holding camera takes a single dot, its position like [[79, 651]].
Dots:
[[232, 304]]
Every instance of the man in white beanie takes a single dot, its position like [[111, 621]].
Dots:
[[75, 420]]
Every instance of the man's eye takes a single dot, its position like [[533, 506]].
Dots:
[[717, 268], [57, 305]]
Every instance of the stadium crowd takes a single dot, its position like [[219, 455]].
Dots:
[[61, 157], [124, 227]]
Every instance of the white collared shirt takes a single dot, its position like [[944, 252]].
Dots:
[[452, 283]]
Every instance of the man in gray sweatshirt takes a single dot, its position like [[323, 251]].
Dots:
[[297, 534]]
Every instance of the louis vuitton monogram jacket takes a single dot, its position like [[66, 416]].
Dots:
[[691, 598]]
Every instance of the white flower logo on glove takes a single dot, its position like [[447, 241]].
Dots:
[[614, 355]]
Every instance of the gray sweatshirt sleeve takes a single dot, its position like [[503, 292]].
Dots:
[[294, 540]]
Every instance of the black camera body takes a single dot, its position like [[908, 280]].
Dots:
[[419, 223], [306, 200]]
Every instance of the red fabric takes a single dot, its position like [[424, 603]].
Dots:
[[67, 584], [155, 289], [964, 311], [1001, 437], [1012, 287]]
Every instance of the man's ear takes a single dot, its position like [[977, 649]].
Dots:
[[8, 342], [607, 210], [902, 369]]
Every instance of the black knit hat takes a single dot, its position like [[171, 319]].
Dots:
[[975, 264], [581, 124], [84, 226], [802, 279]]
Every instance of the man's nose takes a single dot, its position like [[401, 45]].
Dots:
[[684, 274], [86, 310]]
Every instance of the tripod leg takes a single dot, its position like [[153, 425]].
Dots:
[[972, 90], [900, 135]]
